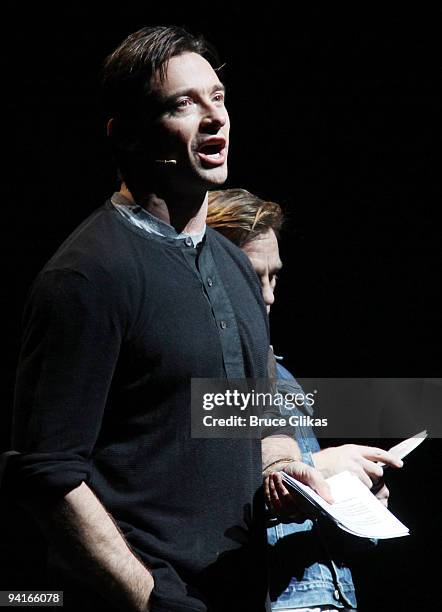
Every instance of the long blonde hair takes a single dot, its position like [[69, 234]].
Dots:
[[242, 216]]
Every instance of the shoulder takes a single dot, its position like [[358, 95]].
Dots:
[[282, 372], [101, 267], [286, 381], [103, 248], [61, 298]]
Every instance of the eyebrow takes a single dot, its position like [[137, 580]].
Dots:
[[191, 91], [271, 270]]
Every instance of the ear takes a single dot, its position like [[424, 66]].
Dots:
[[110, 126]]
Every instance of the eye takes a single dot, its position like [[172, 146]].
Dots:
[[219, 97], [183, 103]]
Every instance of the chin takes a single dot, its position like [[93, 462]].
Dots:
[[215, 176]]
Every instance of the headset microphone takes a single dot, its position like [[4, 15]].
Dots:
[[166, 161]]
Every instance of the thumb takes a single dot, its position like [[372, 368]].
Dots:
[[311, 477], [318, 483]]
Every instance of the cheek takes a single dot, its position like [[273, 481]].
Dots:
[[178, 138], [226, 128], [175, 134]]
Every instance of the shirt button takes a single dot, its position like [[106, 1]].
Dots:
[[209, 281], [223, 324], [188, 241], [336, 594]]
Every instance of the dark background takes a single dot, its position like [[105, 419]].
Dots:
[[335, 114]]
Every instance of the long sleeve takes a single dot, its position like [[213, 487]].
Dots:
[[70, 347]]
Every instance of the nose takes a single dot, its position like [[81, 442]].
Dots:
[[268, 295], [214, 118]]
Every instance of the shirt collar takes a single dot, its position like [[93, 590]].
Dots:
[[143, 219]]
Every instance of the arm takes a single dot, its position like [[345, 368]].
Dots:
[[88, 541], [281, 452], [71, 345], [276, 450]]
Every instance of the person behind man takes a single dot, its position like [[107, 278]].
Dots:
[[131, 306], [306, 559]]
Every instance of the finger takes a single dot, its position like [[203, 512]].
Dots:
[[377, 486], [291, 505], [288, 504], [267, 490], [310, 476], [381, 455], [372, 469], [316, 481], [280, 488], [364, 478], [274, 498], [382, 495]]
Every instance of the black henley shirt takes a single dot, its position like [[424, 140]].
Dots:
[[115, 326]]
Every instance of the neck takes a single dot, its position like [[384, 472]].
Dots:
[[185, 214]]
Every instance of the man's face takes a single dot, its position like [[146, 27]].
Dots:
[[263, 253], [192, 125]]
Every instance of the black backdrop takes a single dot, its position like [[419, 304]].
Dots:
[[334, 115]]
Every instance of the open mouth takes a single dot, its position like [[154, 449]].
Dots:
[[212, 152]]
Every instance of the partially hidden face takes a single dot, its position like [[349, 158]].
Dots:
[[263, 252], [192, 125]]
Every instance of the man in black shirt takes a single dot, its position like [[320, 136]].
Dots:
[[138, 300]]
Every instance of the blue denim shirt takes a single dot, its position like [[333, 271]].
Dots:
[[304, 571]]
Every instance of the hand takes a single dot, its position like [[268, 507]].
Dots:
[[357, 459], [281, 500]]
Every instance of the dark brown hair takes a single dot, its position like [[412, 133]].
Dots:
[[241, 216]]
